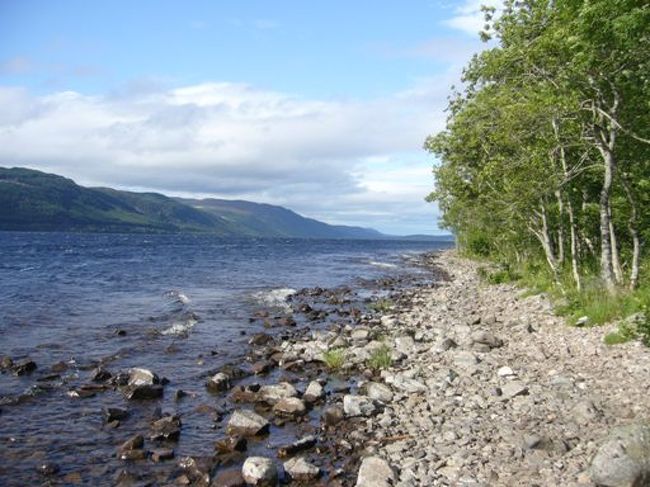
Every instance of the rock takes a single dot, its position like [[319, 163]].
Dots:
[[360, 335], [301, 470], [48, 469], [314, 392], [486, 338], [100, 374], [229, 478], [582, 321], [6, 363], [166, 428], [358, 406], [465, 361], [271, 394], [406, 384], [231, 444], [219, 382], [405, 344], [132, 455], [447, 344], [623, 460], [375, 472], [505, 371], [297, 446], [162, 454], [260, 471], [134, 443], [115, 414], [143, 392], [378, 392], [247, 423], [332, 415], [290, 406], [513, 389], [26, 366], [261, 367], [142, 377], [247, 393]]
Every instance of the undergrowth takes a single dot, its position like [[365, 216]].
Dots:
[[381, 358], [334, 358]]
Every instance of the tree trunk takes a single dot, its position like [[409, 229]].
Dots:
[[574, 246], [632, 226], [616, 261], [544, 238], [560, 228]]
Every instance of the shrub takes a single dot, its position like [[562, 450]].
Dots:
[[381, 305]]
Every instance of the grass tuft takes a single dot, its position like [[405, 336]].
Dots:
[[334, 358], [381, 358]]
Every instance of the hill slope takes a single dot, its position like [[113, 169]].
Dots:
[[35, 201]]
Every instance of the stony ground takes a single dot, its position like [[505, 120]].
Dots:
[[493, 389]]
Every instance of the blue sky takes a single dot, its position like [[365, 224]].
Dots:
[[318, 106]]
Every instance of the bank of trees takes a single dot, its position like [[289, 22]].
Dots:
[[546, 153]]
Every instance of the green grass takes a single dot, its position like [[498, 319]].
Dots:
[[334, 358], [381, 358], [381, 305]]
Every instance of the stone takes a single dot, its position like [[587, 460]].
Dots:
[[332, 415], [260, 471], [22, 367], [406, 384], [219, 382], [297, 446], [100, 374], [375, 472], [405, 344], [229, 478], [513, 389], [483, 337], [231, 444], [301, 470], [162, 454], [142, 377], [358, 406], [271, 394], [505, 371], [48, 469], [247, 423], [115, 414], [134, 443], [623, 460], [314, 392], [261, 367], [582, 321], [378, 392], [447, 344], [360, 335], [143, 392], [290, 406], [166, 428]]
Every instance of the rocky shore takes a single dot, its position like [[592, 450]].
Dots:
[[430, 379]]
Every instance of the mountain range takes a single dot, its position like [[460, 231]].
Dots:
[[36, 201]]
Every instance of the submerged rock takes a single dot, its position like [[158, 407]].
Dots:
[[23, 367], [166, 428]]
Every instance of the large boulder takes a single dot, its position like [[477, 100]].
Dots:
[[247, 423], [260, 471], [623, 460], [375, 472]]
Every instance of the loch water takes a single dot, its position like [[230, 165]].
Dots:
[[175, 304]]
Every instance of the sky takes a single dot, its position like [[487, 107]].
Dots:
[[322, 107]]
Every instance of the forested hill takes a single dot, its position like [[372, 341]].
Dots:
[[33, 200], [545, 161]]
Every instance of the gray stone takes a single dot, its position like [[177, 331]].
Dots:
[[404, 344], [260, 471], [218, 382], [271, 394], [247, 423], [623, 460], [314, 392], [513, 389], [332, 415], [483, 337], [378, 392], [375, 472], [142, 377], [358, 406], [290, 406], [301, 470]]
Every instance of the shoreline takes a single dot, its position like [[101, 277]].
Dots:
[[429, 379]]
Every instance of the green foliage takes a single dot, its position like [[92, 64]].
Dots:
[[381, 358], [501, 274], [334, 358], [383, 305]]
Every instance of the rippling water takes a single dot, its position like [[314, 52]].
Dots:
[[183, 301]]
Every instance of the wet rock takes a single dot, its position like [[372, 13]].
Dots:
[[301, 470], [332, 415], [134, 443], [378, 392], [142, 377], [375, 472], [247, 423], [179, 394], [286, 321], [297, 446], [229, 478], [48, 469], [6, 363], [143, 392], [166, 428], [115, 414], [231, 444], [290, 407], [22, 367], [247, 393], [314, 392], [623, 460], [358, 406], [219, 382], [100, 375], [271, 394], [260, 471], [261, 367], [162, 454], [132, 455]]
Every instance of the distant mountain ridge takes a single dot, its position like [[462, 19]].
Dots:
[[32, 200]]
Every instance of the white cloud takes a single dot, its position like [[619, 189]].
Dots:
[[337, 160], [469, 18]]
